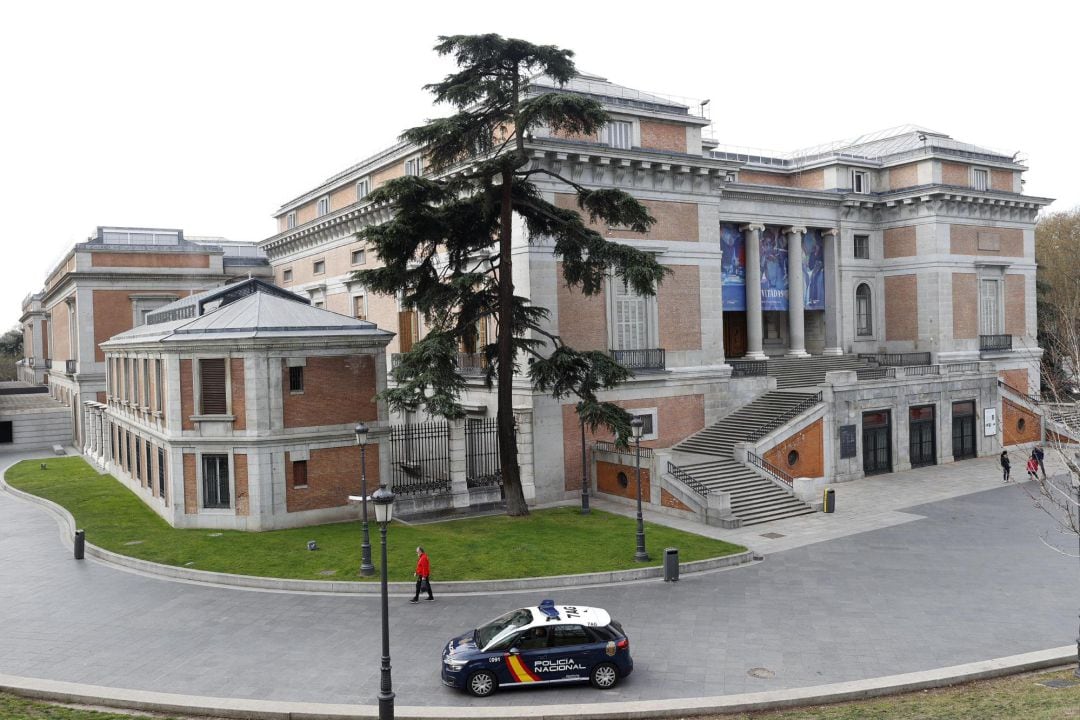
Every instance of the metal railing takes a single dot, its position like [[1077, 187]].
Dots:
[[687, 479], [961, 367], [70, 366], [767, 467], [606, 446], [917, 370], [471, 363], [897, 359], [482, 463], [646, 359], [794, 411], [1034, 399], [420, 458], [879, 373], [995, 343], [749, 368]]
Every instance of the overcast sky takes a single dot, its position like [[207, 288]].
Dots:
[[207, 116]]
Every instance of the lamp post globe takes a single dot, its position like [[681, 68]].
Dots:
[[637, 427], [384, 513], [366, 568]]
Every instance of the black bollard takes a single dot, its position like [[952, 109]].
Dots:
[[80, 544]]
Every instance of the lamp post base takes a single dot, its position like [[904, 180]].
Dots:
[[641, 557], [386, 706]]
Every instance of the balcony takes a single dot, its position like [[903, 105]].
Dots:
[[71, 366], [471, 363], [651, 359], [995, 343]]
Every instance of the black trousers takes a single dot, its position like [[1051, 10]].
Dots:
[[419, 586]]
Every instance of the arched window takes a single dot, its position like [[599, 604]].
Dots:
[[864, 316]]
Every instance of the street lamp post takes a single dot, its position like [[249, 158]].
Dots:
[[636, 426], [384, 513], [584, 467], [366, 568]]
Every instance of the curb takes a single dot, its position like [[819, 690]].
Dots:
[[143, 700], [254, 582]]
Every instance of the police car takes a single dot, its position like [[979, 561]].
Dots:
[[548, 643]]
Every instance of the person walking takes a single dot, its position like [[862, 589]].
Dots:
[[1039, 455], [423, 575], [1033, 467], [1006, 466]]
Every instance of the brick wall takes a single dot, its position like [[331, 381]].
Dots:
[[582, 320], [1015, 310], [904, 176], [149, 260], [679, 308], [899, 242], [753, 177], [676, 417], [1015, 378], [663, 136], [901, 298], [965, 306], [239, 393], [1018, 424], [964, 240], [674, 220], [387, 173], [669, 500], [333, 475], [191, 493], [61, 349], [809, 444], [1001, 180], [337, 390], [187, 395], [607, 481], [809, 180], [955, 174], [240, 481]]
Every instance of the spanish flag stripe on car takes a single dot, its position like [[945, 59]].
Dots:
[[519, 671]]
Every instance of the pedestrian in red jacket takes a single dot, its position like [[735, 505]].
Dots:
[[423, 575], [1033, 467]]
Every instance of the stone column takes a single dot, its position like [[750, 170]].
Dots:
[[796, 322], [833, 309], [523, 415], [753, 291], [459, 485]]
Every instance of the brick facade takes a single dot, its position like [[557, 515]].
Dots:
[[901, 298], [965, 306], [240, 483], [899, 242], [670, 137], [239, 393], [187, 395], [337, 390], [904, 176], [1015, 305], [608, 481], [669, 500], [809, 446], [674, 220], [1017, 379], [679, 308], [149, 260], [191, 493], [1018, 424], [964, 240], [588, 331], [332, 475]]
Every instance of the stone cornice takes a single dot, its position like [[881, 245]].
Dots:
[[606, 167], [939, 201], [348, 220]]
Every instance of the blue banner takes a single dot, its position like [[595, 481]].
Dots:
[[813, 270], [774, 277], [733, 266]]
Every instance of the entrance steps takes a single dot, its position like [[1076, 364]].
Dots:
[[708, 458], [808, 372]]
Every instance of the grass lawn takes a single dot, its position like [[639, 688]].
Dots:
[[1010, 698], [547, 542]]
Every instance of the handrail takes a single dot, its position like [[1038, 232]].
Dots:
[[1034, 399], [641, 359], [606, 446], [748, 368], [760, 462], [995, 343], [798, 409], [687, 479], [876, 373], [897, 359]]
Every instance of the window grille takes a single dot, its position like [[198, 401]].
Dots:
[[296, 379], [864, 323], [215, 481], [862, 247], [299, 473], [631, 318]]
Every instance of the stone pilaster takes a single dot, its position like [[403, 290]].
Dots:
[[796, 321], [754, 332], [523, 416], [833, 312], [459, 486]]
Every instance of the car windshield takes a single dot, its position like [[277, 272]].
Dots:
[[514, 619]]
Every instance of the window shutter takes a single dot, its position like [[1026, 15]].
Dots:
[[212, 383]]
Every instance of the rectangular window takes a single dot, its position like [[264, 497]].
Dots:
[[862, 247], [161, 472], [215, 481], [290, 221], [358, 257], [7, 433], [361, 190], [149, 465], [408, 329], [630, 317], [159, 386], [318, 267], [127, 450], [989, 312], [299, 473], [864, 323], [414, 166], [138, 459], [323, 206], [860, 181], [358, 307], [618, 134], [296, 379], [146, 383], [286, 276], [212, 386], [980, 179]]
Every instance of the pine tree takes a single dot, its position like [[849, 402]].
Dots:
[[447, 249]]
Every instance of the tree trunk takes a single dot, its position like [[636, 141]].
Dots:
[[511, 472]]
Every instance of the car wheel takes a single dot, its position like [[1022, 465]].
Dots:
[[604, 676], [482, 683]]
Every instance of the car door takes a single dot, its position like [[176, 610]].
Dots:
[[527, 649], [572, 651]]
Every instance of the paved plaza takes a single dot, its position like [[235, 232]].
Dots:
[[917, 570]]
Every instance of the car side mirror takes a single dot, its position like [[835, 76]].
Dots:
[[513, 651]]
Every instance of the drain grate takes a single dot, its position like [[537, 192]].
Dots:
[[328, 572], [1061, 683], [773, 535], [760, 672]]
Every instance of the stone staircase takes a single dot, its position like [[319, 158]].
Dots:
[[807, 372], [754, 499]]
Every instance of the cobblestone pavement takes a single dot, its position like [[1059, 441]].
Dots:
[[882, 587]]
